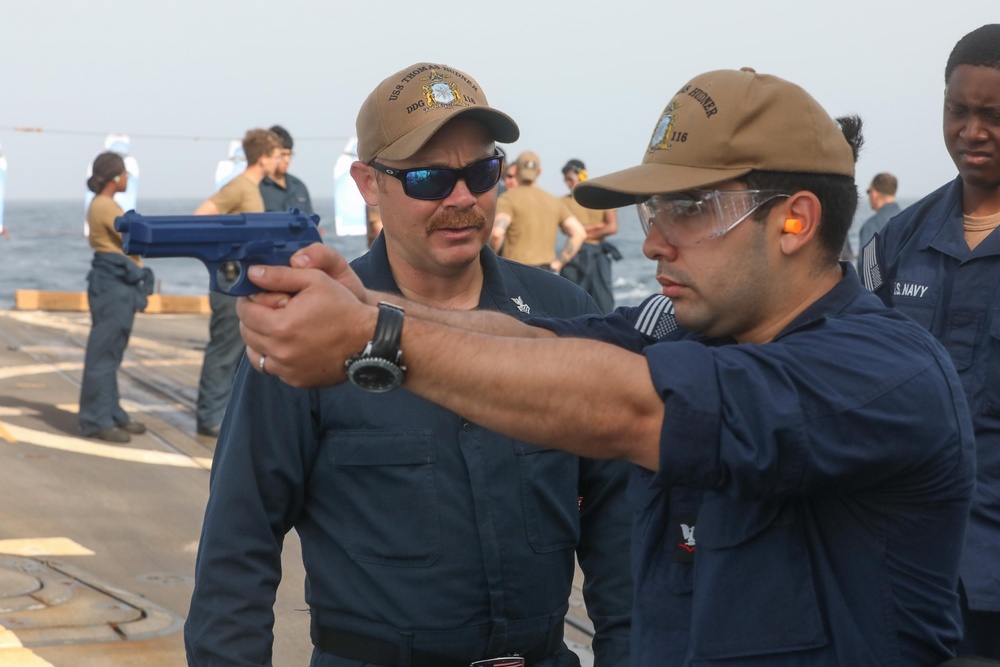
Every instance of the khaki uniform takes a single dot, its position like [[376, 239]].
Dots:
[[239, 195], [101, 219], [535, 217]]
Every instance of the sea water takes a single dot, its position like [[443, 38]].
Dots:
[[47, 250]]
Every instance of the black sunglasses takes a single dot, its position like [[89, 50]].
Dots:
[[437, 182]]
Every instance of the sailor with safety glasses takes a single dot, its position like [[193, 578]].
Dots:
[[804, 457]]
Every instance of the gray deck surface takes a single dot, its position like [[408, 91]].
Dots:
[[98, 541]]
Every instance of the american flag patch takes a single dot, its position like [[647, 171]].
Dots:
[[508, 661], [871, 274], [656, 319]]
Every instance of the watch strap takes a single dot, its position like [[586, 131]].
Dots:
[[388, 332]]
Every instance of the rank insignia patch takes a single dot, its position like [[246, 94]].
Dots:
[[684, 542]]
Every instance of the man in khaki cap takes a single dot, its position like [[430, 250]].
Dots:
[[428, 540], [803, 455], [527, 219]]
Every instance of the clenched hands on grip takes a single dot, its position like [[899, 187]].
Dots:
[[294, 333], [316, 313]]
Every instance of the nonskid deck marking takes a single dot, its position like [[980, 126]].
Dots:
[[43, 369], [43, 546], [51, 321], [130, 407], [117, 452], [39, 369], [13, 654]]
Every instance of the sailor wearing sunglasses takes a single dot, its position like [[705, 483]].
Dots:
[[804, 456], [528, 218], [428, 540]]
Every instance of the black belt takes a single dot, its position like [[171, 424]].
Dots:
[[386, 653]]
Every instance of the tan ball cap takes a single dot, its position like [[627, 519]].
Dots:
[[720, 126], [406, 109], [528, 166]]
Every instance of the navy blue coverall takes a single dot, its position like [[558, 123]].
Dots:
[[921, 264], [116, 289], [419, 528], [812, 493], [293, 195]]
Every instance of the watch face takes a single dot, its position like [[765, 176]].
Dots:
[[375, 374]]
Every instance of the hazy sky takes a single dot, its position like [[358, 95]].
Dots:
[[585, 79]]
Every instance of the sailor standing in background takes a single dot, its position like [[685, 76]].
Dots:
[[591, 268], [938, 261], [117, 286], [224, 349], [882, 199], [284, 191], [527, 219]]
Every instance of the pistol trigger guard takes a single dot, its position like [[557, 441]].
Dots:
[[229, 276]]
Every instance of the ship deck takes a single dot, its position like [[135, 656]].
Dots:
[[98, 541]]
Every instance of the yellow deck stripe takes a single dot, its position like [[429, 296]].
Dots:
[[13, 654], [119, 452], [5, 434], [43, 546]]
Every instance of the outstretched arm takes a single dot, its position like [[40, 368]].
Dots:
[[292, 330], [540, 390], [515, 380]]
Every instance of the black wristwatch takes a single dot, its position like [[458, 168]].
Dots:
[[379, 366]]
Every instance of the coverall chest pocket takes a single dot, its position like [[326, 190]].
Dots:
[[384, 489], [672, 543], [917, 296], [550, 483], [754, 592], [964, 329]]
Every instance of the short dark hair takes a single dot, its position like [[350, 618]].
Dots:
[[885, 183], [981, 48], [284, 136], [573, 166], [837, 194]]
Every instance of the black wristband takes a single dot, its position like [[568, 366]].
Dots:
[[388, 331], [379, 366]]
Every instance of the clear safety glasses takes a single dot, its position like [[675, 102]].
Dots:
[[693, 216], [437, 182]]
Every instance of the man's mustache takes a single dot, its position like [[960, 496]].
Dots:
[[457, 220]]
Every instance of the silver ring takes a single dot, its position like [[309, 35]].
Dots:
[[260, 364]]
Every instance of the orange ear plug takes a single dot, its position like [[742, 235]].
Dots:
[[793, 225]]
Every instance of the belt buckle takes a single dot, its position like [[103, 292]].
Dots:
[[505, 661]]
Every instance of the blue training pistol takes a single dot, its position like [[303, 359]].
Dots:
[[227, 244]]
